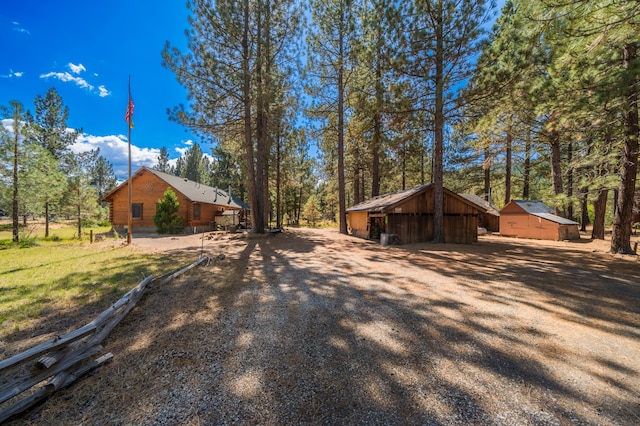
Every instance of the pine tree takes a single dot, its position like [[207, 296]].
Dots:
[[49, 129], [330, 55], [236, 49], [11, 143], [441, 38], [163, 161], [166, 218], [194, 168]]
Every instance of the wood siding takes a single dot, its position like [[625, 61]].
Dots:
[[358, 223], [490, 222], [524, 225], [412, 219], [147, 190], [458, 229]]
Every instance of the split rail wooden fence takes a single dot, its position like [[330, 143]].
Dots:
[[64, 359]]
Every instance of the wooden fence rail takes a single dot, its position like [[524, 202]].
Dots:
[[62, 360]]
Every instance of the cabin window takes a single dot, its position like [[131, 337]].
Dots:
[[196, 211], [136, 210]]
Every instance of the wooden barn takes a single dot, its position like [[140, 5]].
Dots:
[[200, 205], [534, 219], [409, 215], [489, 218]]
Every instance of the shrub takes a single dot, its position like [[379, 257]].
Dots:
[[166, 218]]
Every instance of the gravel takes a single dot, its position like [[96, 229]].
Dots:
[[313, 327]]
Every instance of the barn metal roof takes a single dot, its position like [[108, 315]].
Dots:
[[383, 202], [481, 202], [540, 209]]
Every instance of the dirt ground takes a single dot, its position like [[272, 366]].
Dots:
[[313, 327]]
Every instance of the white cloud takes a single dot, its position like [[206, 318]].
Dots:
[[115, 150], [76, 69], [12, 74], [103, 91], [182, 151], [17, 27], [66, 77]]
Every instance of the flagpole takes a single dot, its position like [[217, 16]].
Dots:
[[130, 213]]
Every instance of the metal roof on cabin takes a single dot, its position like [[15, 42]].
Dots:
[[198, 192], [534, 207], [382, 202], [540, 209], [481, 202]]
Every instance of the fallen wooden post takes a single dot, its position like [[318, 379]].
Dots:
[[55, 343], [54, 385], [62, 359]]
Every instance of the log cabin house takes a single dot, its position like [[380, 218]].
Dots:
[[536, 220], [409, 215], [201, 206]]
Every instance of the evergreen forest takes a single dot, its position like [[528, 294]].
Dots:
[[536, 100], [314, 106]]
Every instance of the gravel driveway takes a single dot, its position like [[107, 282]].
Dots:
[[313, 327]]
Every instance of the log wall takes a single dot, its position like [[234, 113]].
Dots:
[[147, 190]]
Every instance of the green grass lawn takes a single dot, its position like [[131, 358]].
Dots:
[[66, 231], [68, 278]]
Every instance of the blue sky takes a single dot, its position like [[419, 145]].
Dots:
[[87, 50]]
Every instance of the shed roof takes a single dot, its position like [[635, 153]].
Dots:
[[540, 209], [383, 202], [386, 202], [194, 191], [481, 202]]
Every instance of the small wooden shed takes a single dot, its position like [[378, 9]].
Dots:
[[536, 220], [489, 218], [409, 215]]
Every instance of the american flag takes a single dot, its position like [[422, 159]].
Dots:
[[129, 115]]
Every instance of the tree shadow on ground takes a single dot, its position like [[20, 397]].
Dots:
[[298, 329]]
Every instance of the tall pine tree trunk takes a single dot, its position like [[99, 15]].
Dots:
[[438, 148], [422, 165], [600, 209], [261, 121], [15, 204], [377, 124], [486, 165], [79, 213], [341, 181], [621, 233], [404, 169], [278, 179], [527, 166], [584, 210], [46, 222], [507, 174], [570, 180], [266, 108], [556, 167], [356, 186], [257, 224]]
